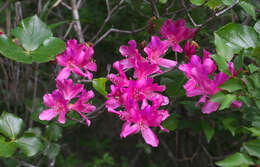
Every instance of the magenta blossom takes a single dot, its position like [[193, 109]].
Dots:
[[80, 105], [59, 101], [189, 49], [58, 106], [75, 57], [141, 120], [156, 49], [176, 32], [199, 82], [132, 55]]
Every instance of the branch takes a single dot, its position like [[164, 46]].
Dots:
[[5, 5], [119, 31], [109, 14], [77, 25], [224, 10], [155, 10]]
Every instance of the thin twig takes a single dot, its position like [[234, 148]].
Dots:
[[230, 7], [119, 31], [5, 5], [165, 71], [155, 9], [77, 25], [109, 15], [68, 30]]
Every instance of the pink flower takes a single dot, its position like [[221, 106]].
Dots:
[[132, 55], [75, 57], [58, 106], [80, 105], [156, 49], [176, 32], [59, 101], [142, 120], [189, 49], [199, 82]]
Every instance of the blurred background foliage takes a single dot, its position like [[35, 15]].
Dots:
[[195, 139]]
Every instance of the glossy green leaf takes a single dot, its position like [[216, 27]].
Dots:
[[222, 49], [10, 125], [171, 123], [54, 132], [253, 147], [255, 131], [230, 124], [252, 68], [174, 82], [7, 149], [208, 130], [235, 160], [10, 50], [213, 4], [232, 85], [238, 36], [222, 63], [228, 2], [100, 85], [48, 50], [255, 78], [29, 144], [197, 2], [31, 32], [163, 1], [249, 8], [218, 97], [257, 26], [52, 150], [227, 101]]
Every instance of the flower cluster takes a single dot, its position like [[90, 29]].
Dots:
[[74, 58], [137, 100], [199, 82]]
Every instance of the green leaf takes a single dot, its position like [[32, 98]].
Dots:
[[237, 159], [52, 150], [255, 79], [171, 123], [208, 130], [53, 132], [253, 147], [227, 101], [255, 131], [197, 2], [7, 149], [48, 51], [222, 49], [257, 26], [31, 32], [232, 85], [213, 4], [249, 8], [252, 68], [163, 1], [230, 124], [10, 50], [29, 144], [221, 62], [10, 125], [100, 85], [218, 97], [238, 36], [174, 82], [228, 2]]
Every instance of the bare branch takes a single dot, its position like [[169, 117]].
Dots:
[[230, 7], [188, 14], [68, 31], [5, 5], [155, 10], [77, 25], [109, 15], [119, 31], [66, 5]]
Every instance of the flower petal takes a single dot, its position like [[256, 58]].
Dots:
[[149, 136], [48, 114]]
